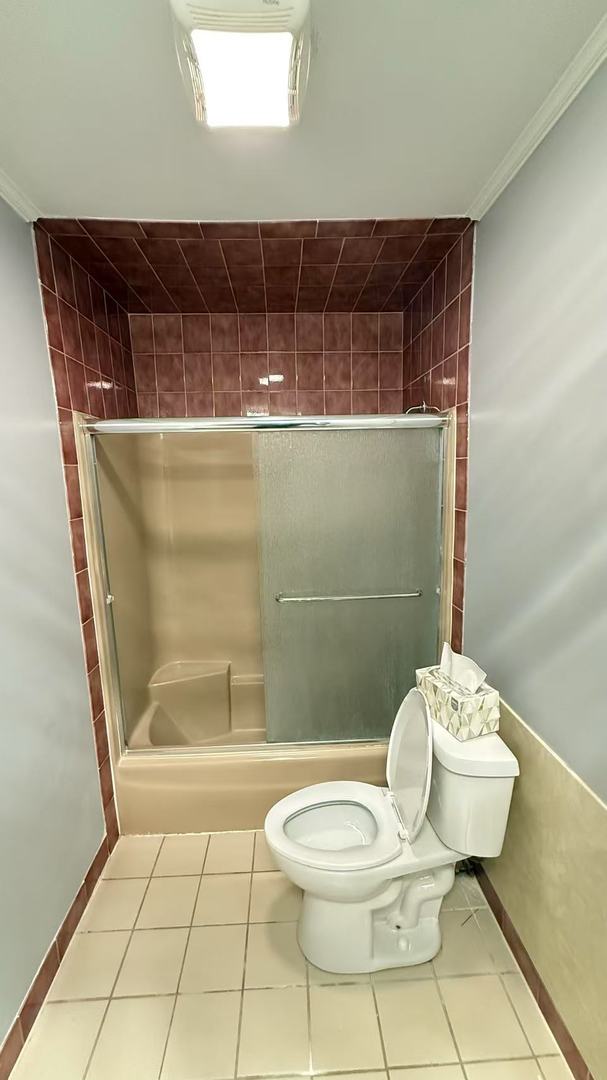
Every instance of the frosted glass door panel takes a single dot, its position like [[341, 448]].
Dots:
[[346, 513]]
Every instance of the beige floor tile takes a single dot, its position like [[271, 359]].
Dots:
[[344, 1031], [413, 1024], [318, 977], [223, 898], [229, 853], [463, 950], [273, 956], [495, 942], [274, 1032], [114, 905], [133, 856], [60, 1042], [203, 1038], [404, 974], [90, 966], [181, 855], [536, 1029], [555, 1068], [504, 1070], [214, 959], [264, 860], [132, 1039], [434, 1072], [169, 901], [483, 1020], [274, 898], [152, 963]]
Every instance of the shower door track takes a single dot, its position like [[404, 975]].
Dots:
[[256, 423]]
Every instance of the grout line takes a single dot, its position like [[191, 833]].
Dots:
[[337, 264], [514, 1009], [308, 1011], [191, 273], [380, 1028], [185, 951], [447, 1018], [128, 945], [244, 960]]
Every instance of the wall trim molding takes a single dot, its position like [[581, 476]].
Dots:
[[574, 78], [15, 197], [14, 1040], [534, 981]]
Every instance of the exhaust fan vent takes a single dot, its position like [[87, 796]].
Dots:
[[244, 62]]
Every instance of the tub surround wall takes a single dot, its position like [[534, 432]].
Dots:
[[436, 372], [164, 501], [279, 364], [253, 266], [548, 887], [120, 483], [91, 363]]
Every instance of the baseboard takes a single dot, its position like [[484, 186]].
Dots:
[[34, 999], [553, 1018]]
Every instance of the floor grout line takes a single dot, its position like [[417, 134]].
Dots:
[[380, 1028], [244, 961], [183, 959], [128, 944]]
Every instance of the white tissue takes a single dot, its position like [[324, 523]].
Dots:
[[461, 669]]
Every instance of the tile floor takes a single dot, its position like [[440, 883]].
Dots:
[[185, 966]]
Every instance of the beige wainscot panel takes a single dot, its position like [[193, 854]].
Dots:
[[552, 880]]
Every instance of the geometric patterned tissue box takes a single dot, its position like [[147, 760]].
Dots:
[[464, 714]]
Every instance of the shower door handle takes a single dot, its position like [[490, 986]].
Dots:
[[281, 598]]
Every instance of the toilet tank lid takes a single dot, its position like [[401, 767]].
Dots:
[[486, 755]]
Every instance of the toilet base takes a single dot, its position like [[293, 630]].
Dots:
[[396, 928]]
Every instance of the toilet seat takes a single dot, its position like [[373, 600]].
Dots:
[[381, 845], [346, 825]]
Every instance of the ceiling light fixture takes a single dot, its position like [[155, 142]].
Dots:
[[244, 62]]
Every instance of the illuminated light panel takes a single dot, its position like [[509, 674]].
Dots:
[[245, 77]]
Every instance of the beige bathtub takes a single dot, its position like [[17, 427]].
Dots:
[[194, 791]]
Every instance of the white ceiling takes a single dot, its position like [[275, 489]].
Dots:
[[412, 105]]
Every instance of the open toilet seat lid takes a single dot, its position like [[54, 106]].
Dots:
[[409, 765]]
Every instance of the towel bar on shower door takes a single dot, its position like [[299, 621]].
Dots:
[[282, 599]]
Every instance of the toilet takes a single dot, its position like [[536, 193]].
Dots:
[[375, 863]]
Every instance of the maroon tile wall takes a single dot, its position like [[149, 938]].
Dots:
[[275, 364], [252, 266], [92, 367], [435, 371]]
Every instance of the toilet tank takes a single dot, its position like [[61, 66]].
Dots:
[[470, 791]]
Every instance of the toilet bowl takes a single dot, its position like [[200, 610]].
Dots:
[[372, 867]]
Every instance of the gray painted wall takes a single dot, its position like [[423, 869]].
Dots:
[[536, 601], [50, 806]]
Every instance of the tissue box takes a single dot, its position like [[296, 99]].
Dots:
[[463, 714]]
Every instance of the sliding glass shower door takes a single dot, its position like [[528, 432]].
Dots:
[[350, 571]]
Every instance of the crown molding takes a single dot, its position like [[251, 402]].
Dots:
[[574, 78], [17, 198]]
